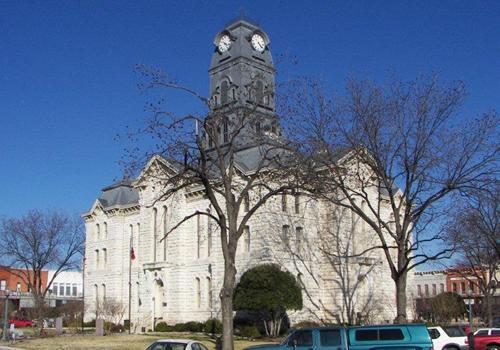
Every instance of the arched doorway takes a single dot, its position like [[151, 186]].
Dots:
[[157, 300]]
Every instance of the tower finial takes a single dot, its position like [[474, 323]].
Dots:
[[242, 12]]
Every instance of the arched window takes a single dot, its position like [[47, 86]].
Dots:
[[97, 260], [209, 234], [224, 90], [96, 295], [363, 222], [105, 230], [97, 232], [136, 249], [209, 293], [246, 202], [246, 234], [225, 131], [198, 292], [164, 232], [155, 233], [104, 257], [103, 292], [198, 236], [259, 92]]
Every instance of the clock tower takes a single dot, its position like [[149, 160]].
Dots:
[[242, 89]]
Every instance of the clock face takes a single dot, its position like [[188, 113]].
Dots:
[[258, 42], [224, 43]]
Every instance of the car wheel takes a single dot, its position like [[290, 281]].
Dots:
[[452, 348], [494, 347]]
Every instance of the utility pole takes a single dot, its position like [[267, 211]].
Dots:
[[470, 302], [5, 315]]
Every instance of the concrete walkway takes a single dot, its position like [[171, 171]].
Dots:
[[5, 347]]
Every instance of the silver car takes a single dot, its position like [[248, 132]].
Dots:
[[176, 344]]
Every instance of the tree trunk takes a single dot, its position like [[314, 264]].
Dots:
[[400, 282], [489, 309], [226, 297]]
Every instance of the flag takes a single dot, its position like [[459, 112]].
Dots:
[[132, 254]]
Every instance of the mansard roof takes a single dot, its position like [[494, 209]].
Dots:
[[120, 193]]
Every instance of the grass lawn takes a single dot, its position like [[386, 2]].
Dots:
[[117, 341]]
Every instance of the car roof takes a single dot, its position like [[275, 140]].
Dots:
[[183, 341]]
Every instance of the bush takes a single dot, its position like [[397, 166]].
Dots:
[[249, 332], [116, 328], [213, 326], [163, 327]]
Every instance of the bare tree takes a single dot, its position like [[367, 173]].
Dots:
[[319, 244], [232, 153], [395, 157], [37, 242], [474, 230], [111, 310]]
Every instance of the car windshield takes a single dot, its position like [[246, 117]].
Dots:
[[163, 345], [454, 331]]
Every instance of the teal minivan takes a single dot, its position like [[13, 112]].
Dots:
[[383, 337]]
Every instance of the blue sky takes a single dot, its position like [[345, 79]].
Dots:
[[67, 84]]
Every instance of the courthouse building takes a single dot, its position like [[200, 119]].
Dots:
[[178, 279]]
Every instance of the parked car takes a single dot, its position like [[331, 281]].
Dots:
[[21, 322], [487, 331], [176, 344], [485, 339], [406, 336], [448, 338]]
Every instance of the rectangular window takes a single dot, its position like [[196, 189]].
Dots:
[[209, 236], [68, 289], [391, 334], [300, 338], [3, 285], [454, 331], [283, 202], [74, 290], [18, 287], [419, 290], [463, 288], [434, 289], [297, 204], [366, 335], [61, 289], [299, 239], [426, 287], [441, 287], [285, 234], [330, 337], [54, 288], [454, 286]]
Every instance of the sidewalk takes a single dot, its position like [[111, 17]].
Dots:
[[2, 347]]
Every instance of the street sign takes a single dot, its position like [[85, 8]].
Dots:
[[469, 301]]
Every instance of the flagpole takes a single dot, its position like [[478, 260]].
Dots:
[[130, 286]]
